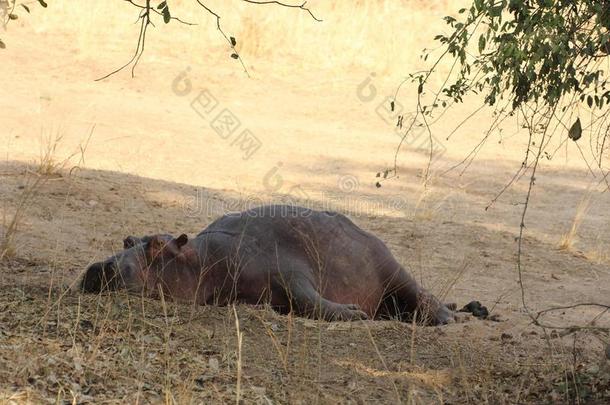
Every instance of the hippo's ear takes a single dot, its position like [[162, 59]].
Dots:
[[158, 246], [130, 242], [181, 240]]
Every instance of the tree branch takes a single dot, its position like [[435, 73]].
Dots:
[[147, 10]]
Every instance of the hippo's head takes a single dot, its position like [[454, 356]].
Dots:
[[137, 268]]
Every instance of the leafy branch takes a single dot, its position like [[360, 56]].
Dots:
[[8, 13], [538, 61], [150, 10], [162, 10]]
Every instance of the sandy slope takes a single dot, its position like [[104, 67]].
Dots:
[[153, 164]]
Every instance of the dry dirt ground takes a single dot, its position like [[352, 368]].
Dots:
[[86, 163]]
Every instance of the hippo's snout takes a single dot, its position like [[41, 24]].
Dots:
[[99, 277]]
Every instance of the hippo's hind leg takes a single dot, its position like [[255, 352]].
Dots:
[[306, 301], [405, 297]]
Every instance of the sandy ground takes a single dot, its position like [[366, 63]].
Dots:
[[141, 156]]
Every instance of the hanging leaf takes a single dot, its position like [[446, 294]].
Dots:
[[166, 15], [576, 131], [392, 105], [2, 45], [13, 16], [161, 5], [233, 41], [235, 56], [26, 8], [482, 43], [43, 3]]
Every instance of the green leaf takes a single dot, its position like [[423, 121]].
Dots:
[[496, 11], [482, 43], [43, 3], [26, 8], [235, 56], [233, 41], [13, 16], [2, 45], [166, 15], [575, 131], [161, 5]]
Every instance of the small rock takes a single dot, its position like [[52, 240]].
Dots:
[[593, 369], [213, 364], [92, 203], [151, 339], [52, 380], [506, 336]]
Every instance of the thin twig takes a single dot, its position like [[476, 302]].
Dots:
[[160, 13], [279, 3], [145, 17]]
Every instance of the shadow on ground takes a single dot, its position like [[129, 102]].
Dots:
[[57, 343]]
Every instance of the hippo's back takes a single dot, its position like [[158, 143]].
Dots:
[[323, 237], [285, 224]]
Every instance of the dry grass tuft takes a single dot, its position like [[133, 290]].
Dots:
[[10, 225], [48, 164], [36, 176], [568, 239]]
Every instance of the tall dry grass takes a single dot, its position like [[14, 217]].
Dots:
[[569, 238], [34, 180]]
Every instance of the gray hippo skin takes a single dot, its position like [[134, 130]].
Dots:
[[312, 263]]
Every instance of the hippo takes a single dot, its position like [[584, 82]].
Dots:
[[316, 264]]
